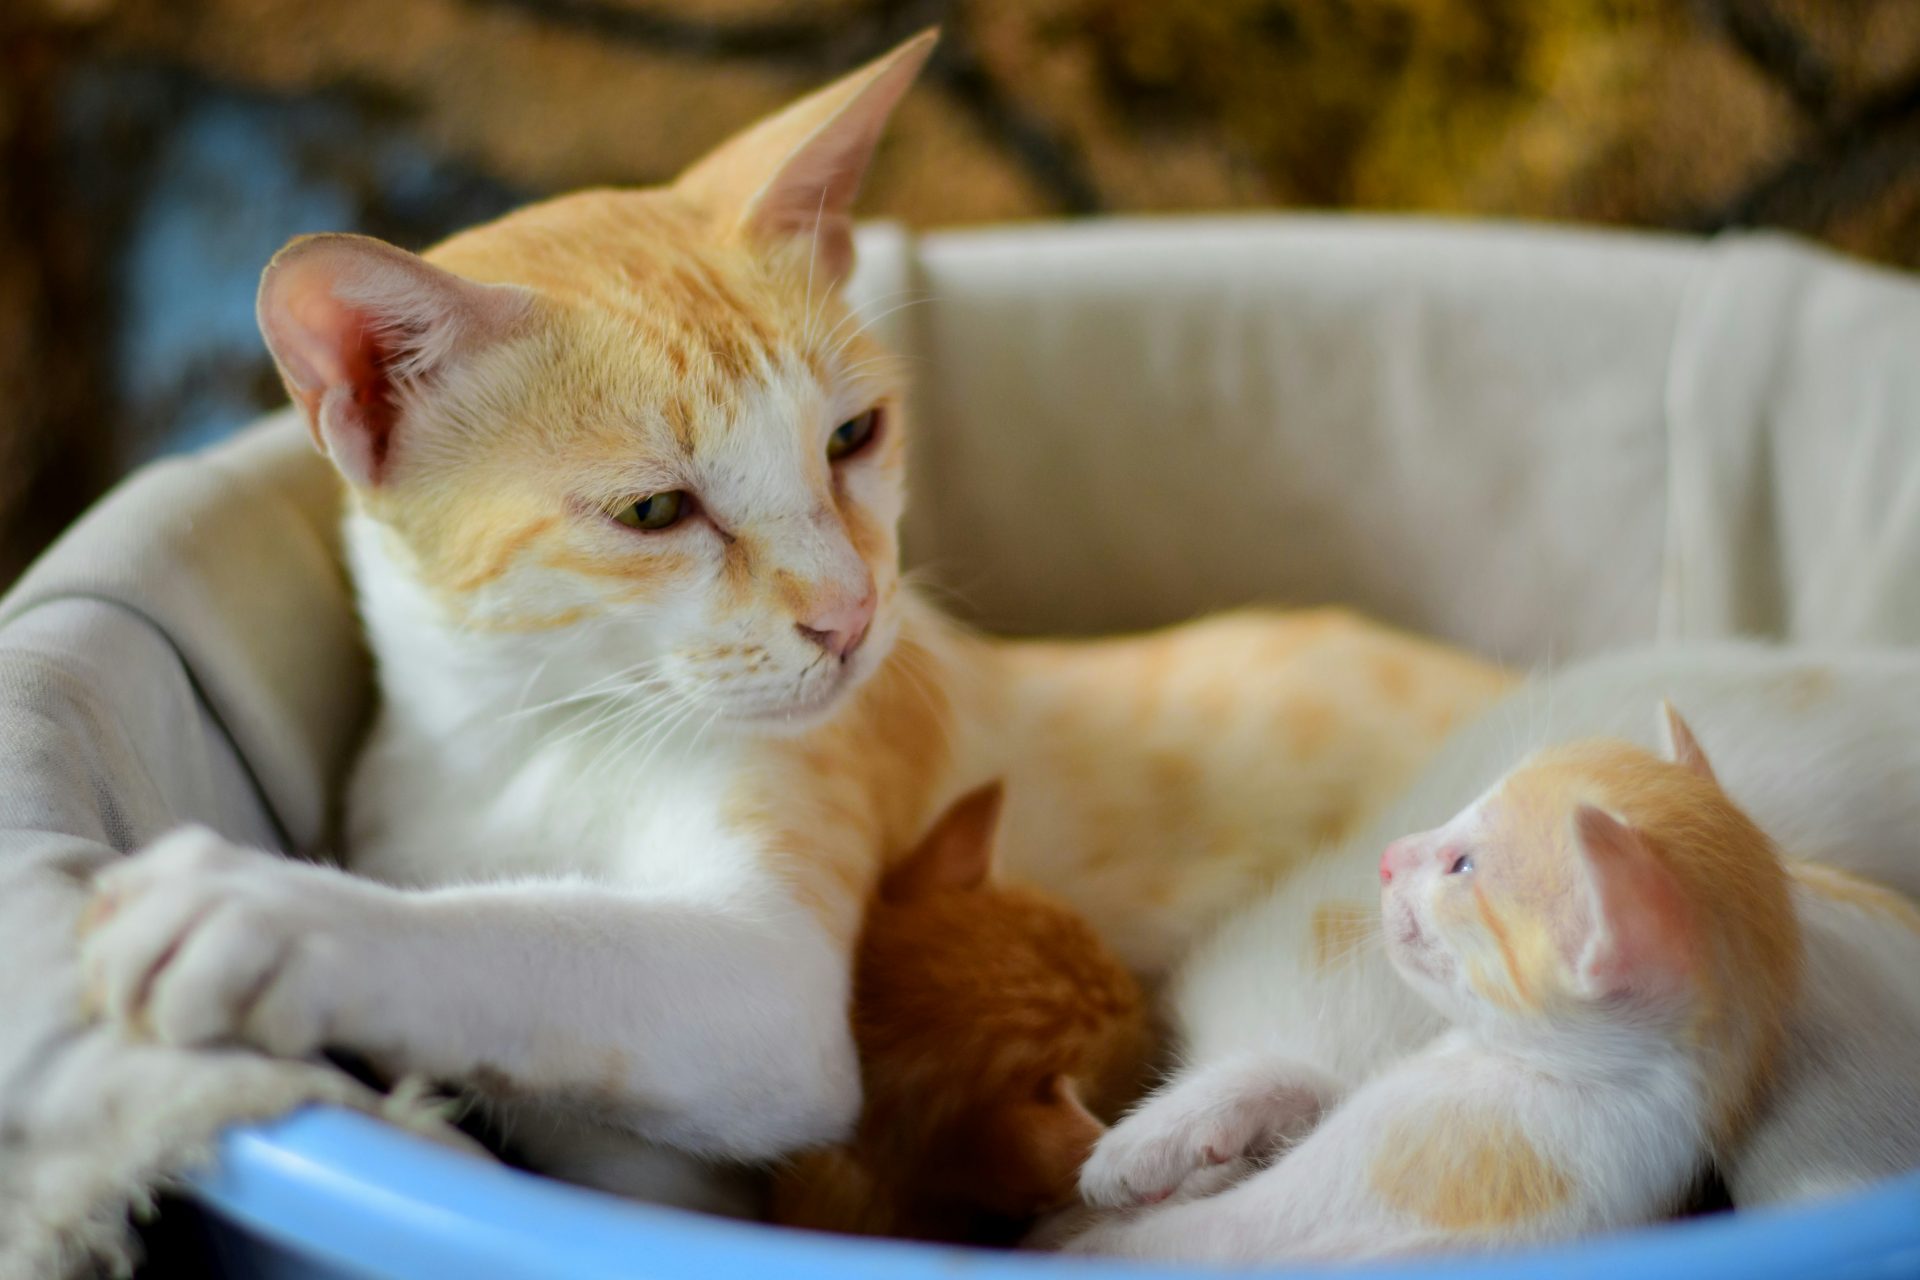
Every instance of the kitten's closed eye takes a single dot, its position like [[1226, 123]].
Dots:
[[853, 435]]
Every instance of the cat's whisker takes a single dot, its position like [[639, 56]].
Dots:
[[822, 343], [618, 684], [867, 322], [601, 715], [576, 636], [622, 731], [867, 304], [813, 254], [924, 578], [651, 746], [854, 335], [574, 699]]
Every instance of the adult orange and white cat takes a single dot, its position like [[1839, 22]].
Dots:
[[1293, 1002], [623, 475], [1611, 943]]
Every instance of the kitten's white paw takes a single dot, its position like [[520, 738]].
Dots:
[[1215, 1116], [195, 940]]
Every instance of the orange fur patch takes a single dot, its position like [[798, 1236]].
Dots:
[[1394, 676], [1277, 720], [1309, 724], [1467, 1173], [1857, 891], [1516, 972]]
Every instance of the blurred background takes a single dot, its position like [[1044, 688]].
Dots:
[[154, 153]]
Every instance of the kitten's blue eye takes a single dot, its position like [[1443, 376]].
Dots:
[[654, 512], [853, 435], [1461, 862]]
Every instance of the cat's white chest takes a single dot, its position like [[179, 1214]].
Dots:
[[639, 815]]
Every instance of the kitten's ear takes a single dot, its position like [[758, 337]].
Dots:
[[956, 854], [794, 175], [1680, 746], [1039, 1146], [352, 322], [1638, 934]]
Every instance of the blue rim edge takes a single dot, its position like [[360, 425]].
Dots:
[[343, 1188]]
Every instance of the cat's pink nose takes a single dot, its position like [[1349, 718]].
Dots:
[[839, 630]]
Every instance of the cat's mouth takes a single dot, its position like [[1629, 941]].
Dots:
[[811, 700], [1411, 946]]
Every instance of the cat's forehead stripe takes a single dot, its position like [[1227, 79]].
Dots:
[[1496, 928]]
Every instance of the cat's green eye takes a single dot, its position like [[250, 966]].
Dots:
[[655, 511], [853, 435]]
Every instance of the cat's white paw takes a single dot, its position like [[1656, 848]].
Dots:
[[195, 940], [1215, 1116]]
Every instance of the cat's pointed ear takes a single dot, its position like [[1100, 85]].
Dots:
[[956, 855], [794, 176], [1638, 934], [1039, 1146], [353, 322], [1680, 746]]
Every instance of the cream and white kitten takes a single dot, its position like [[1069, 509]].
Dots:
[[1293, 1002], [1612, 945]]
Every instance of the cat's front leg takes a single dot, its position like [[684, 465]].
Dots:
[[1240, 1107], [718, 1025]]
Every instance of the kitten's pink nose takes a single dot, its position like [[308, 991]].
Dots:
[[1396, 855], [840, 629]]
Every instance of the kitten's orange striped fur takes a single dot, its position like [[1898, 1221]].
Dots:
[[993, 1029]]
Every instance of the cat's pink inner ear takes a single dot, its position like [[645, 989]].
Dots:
[[1638, 939], [351, 320], [794, 176], [956, 854], [1682, 748]]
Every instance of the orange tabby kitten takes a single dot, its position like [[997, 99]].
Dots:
[[992, 1026], [623, 476]]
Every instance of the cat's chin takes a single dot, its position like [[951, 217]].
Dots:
[[790, 719]]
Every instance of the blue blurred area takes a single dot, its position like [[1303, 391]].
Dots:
[[201, 184]]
